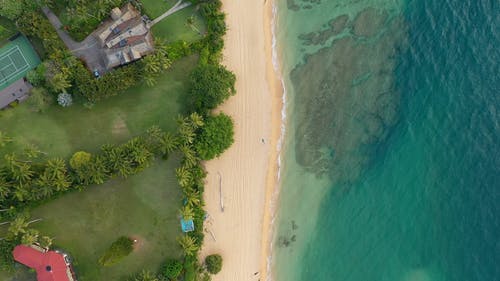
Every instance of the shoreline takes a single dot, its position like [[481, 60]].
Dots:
[[249, 169], [278, 120]]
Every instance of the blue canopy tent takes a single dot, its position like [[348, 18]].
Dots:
[[187, 225]]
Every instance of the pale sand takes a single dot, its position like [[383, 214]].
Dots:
[[249, 168]]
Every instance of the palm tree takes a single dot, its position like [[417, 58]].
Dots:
[[160, 44], [192, 196], [45, 242], [186, 130], [153, 138], [82, 12], [146, 275], [151, 64], [30, 237], [56, 167], [183, 175], [188, 244], [4, 188], [4, 139], [163, 60], [100, 8], [154, 134], [22, 173], [18, 225], [149, 79], [32, 151], [186, 212], [60, 82], [190, 22], [21, 192], [196, 120], [139, 154], [168, 143], [45, 189], [190, 159], [57, 172], [97, 171], [117, 161]]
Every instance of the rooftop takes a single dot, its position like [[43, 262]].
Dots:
[[17, 91], [124, 38], [49, 266]]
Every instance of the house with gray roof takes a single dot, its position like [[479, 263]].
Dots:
[[15, 92]]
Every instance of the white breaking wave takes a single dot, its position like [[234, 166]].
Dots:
[[279, 145]]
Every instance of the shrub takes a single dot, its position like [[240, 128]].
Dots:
[[64, 99], [39, 100], [215, 136], [121, 248], [79, 159], [213, 263], [190, 268], [11, 9], [36, 76], [177, 50], [173, 268], [211, 85]]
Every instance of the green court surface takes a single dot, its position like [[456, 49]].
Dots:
[[16, 58]]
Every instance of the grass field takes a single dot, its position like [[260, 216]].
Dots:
[[144, 207], [62, 131], [154, 8], [85, 223], [7, 29], [174, 27]]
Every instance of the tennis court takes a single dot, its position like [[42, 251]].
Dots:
[[17, 57], [12, 63]]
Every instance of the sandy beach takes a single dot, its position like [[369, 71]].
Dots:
[[247, 172]]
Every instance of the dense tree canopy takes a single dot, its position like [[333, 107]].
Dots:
[[211, 85], [122, 247], [39, 99], [11, 9], [173, 269], [213, 263], [215, 136], [79, 159]]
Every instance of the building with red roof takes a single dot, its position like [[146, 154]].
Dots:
[[49, 265]]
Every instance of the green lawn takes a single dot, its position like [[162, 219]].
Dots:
[[154, 8], [145, 205], [7, 29], [62, 131], [86, 223], [175, 27]]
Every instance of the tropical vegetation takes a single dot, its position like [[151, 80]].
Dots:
[[33, 177], [215, 136], [211, 85], [213, 263], [121, 248]]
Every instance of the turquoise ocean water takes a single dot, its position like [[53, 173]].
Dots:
[[391, 163]]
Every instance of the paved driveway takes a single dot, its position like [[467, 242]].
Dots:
[[88, 50]]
